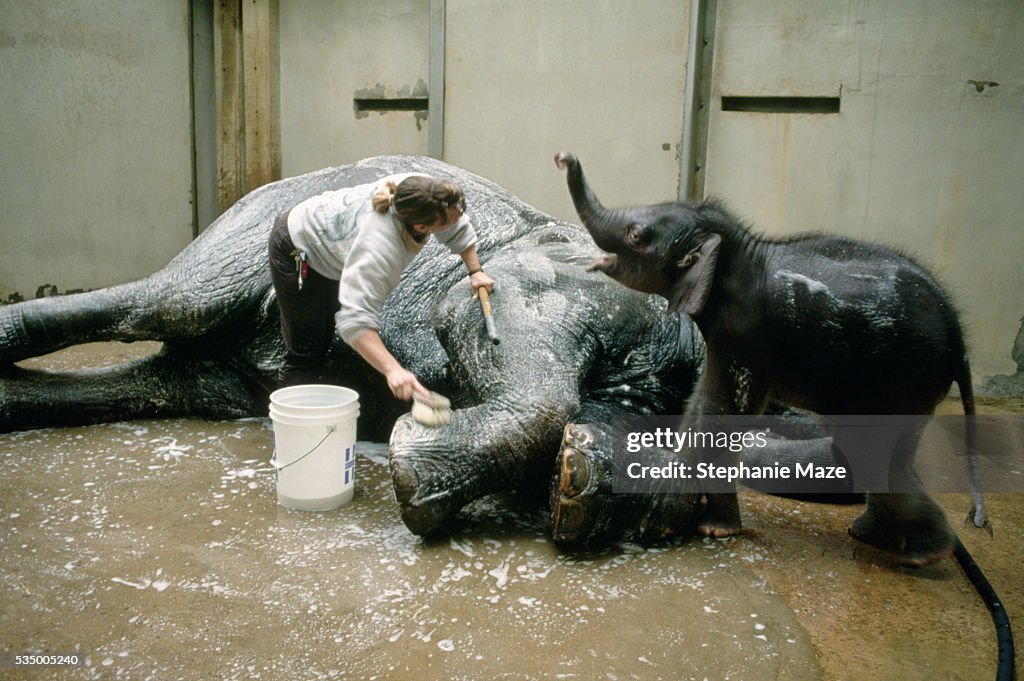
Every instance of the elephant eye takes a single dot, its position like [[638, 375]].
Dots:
[[635, 236]]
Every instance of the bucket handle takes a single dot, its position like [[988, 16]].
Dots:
[[273, 457]]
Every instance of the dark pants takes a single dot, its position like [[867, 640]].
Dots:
[[307, 315]]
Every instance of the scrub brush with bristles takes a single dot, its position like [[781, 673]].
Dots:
[[432, 411]]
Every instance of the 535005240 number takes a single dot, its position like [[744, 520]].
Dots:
[[9, 659]]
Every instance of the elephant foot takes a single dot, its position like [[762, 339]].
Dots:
[[920, 559], [422, 514], [721, 517], [585, 510], [575, 507], [871, 529], [908, 554], [919, 538], [430, 486], [718, 530]]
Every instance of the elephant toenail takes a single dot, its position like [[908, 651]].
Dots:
[[568, 518], [575, 472], [405, 480], [576, 435]]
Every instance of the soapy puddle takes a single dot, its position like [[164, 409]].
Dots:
[[156, 549]]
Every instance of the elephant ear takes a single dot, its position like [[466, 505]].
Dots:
[[696, 272]]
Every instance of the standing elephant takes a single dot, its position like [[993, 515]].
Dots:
[[824, 323]]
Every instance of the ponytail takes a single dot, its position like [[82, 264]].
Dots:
[[384, 198]]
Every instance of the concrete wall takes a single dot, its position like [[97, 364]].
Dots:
[[522, 81], [95, 165], [333, 52], [918, 156], [603, 79]]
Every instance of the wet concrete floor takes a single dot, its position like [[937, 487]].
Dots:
[[156, 550]]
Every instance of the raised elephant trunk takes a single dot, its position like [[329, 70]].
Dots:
[[599, 221]]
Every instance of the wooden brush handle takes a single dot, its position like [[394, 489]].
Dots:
[[485, 300]]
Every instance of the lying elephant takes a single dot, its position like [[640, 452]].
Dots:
[[575, 346]]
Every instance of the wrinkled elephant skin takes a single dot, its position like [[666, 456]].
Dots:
[[575, 346]]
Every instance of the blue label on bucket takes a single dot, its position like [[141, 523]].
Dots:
[[350, 464]]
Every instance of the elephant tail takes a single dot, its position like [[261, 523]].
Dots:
[[977, 514]]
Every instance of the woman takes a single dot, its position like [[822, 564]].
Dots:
[[336, 257]]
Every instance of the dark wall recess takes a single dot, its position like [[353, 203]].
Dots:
[[390, 104], [782, 105]]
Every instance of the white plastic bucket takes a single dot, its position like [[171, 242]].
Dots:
[[314, 445]]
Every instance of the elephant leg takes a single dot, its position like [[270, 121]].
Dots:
[[721, 517], [905, 520], [38, 327], [164, 306], [909, 524], [162, 385], [585, 510], [787, 452], [727, 388], [493, 447]]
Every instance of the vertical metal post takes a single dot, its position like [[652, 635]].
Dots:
[[192, 123], [435, 98], [697, 99]]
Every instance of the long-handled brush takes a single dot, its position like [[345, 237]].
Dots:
[[485, 305]]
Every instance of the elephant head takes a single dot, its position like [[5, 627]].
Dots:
[[669, 249]]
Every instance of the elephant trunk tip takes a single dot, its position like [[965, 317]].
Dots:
[[565, 158]]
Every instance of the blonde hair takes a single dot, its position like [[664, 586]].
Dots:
[[418, 200], [384, 197]]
